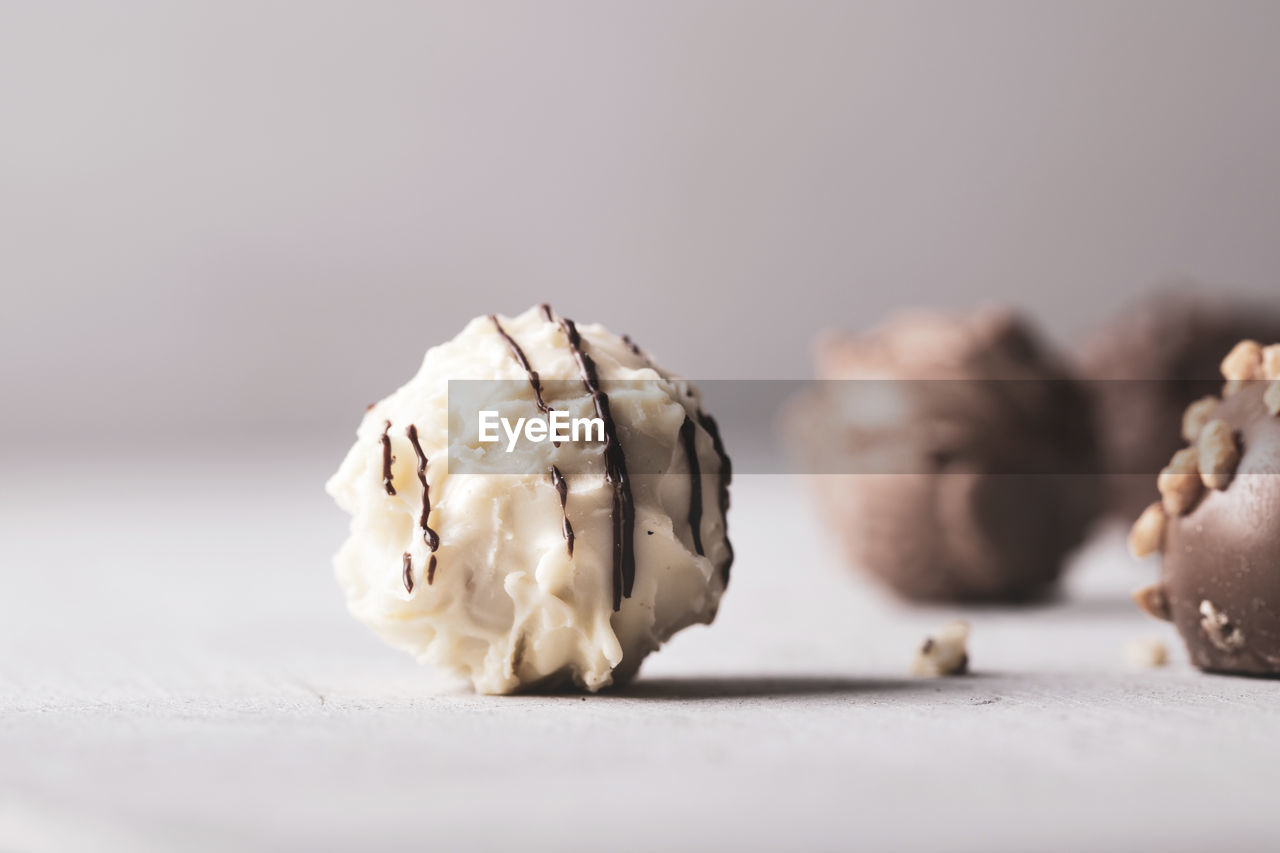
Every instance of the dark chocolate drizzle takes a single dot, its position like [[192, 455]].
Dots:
[[557, 479], [562, 489], [387, 459], [407, 572], [428, 535], [726, 477], [688, 437], [615, 470], [534, 382], [726, 466]]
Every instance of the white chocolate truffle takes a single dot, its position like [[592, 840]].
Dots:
[[575, 561]]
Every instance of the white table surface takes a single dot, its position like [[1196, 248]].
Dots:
[[177, 671]]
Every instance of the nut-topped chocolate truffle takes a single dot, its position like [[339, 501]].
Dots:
[[953, 455], [1146, 367], [1217, 523]]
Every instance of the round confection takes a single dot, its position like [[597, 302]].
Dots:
[[576, 559], [1145, 367], [1217, 526], [963, 473]]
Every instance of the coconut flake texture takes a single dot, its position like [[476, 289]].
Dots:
[[502, 600]]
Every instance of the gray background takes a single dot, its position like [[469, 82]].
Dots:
[[219, 218]]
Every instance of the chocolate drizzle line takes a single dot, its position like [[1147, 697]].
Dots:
[[726, 466], [615, 470], [726, 477], [534, 381], [688, 437], [546, 313], [562, 489], [626, 339], [407, 572], [387, 459], [428, 535]]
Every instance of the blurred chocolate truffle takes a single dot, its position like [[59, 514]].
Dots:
[[963, 474], [1217, 523], [1145, 367]]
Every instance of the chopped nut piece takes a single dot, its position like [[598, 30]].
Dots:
[[945, 653], [1272, 398], [1218, 454], [1147, 535], [1243, 362], [1146, 653], [1179, 483], [1219, 628], [1196, 416], [1271, 362], [1153, 601]]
